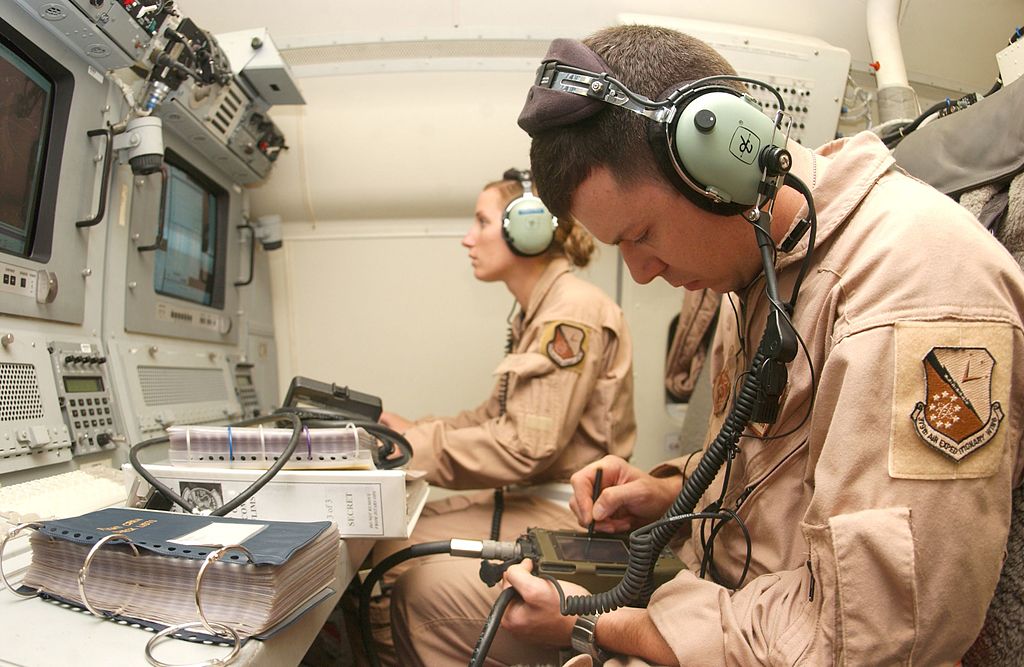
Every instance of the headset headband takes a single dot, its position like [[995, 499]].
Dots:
[[523, 177], [604, 87], [573, 83]]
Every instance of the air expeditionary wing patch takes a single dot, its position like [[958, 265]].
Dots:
[[564, 343], [958, 415]]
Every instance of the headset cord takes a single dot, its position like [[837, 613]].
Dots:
[[637, 584], [499, 493], [769, 361], [487, 550]]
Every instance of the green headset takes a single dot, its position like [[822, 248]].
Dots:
[[527, 225], [711, 141]]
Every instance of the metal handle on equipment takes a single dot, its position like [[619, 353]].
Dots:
[[105, 181]]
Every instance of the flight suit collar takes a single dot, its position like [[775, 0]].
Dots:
[[554, 270], [843, 173]]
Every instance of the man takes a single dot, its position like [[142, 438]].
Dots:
[[895, 438]]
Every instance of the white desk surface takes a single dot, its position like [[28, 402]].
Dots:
[[39, 633]]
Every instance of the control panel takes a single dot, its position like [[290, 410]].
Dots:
[[85, 396]]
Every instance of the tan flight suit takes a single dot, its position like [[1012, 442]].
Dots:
[[872, 544], [569, 401]]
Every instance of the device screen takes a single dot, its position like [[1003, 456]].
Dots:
[[79, 384], [25, 101], [187, 268], [598, 549]]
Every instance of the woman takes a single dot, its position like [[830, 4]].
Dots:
[[564, 395]]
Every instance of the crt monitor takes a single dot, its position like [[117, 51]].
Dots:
[[35, 95], [189, 265]]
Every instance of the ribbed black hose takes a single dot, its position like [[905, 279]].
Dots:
[[483, 644], [415, 551]]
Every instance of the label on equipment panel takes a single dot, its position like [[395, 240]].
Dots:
[[165, 312], [16, 280]]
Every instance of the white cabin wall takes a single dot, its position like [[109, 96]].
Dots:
[[391, 307]]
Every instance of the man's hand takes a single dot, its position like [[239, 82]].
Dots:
[[629, 498], [395, 422], [534, 616]]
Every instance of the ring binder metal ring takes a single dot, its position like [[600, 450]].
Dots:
[[224, 630], [3, 544], [212, 556], [84, 572]]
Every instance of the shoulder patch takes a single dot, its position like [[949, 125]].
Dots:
[[951, 386], [957, 415], [564, 343]]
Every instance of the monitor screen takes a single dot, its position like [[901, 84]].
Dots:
[[188, 262], [26, 102], [598, 549]]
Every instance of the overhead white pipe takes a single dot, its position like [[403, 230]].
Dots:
[[896, 99], [884, 40]]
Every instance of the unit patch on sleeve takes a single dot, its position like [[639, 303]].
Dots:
[[957, 415], [950, 392], [564, 343]]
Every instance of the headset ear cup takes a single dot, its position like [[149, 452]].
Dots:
[[670, 159], [528, 227]]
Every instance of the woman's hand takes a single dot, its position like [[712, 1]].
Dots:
[[629, 498]]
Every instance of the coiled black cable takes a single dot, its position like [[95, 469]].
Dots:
[[226, 508], [637, 584], [499, 493], [499, 509]]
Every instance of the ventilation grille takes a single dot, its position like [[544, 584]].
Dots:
[[170, 386], [224, 118], [19, 393], [416, 50]]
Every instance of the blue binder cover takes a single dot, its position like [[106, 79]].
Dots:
[[154, 531]]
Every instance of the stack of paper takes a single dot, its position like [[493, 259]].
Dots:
[[349, 448]]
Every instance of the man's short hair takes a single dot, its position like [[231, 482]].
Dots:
[[650, 61]]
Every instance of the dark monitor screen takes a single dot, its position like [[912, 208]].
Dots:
[[601, 550], [26, 103], [188, 264]]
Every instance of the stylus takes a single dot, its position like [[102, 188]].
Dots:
[[596, 494]]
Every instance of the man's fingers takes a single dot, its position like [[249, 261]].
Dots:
[[611, 500], [519, 577]]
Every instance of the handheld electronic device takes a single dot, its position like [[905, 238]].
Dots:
[[596, 563]]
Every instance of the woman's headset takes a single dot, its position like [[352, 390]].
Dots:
[[527, 225], [712, 141]]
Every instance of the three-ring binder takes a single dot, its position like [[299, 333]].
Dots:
[[159, 570], [214, 628]]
